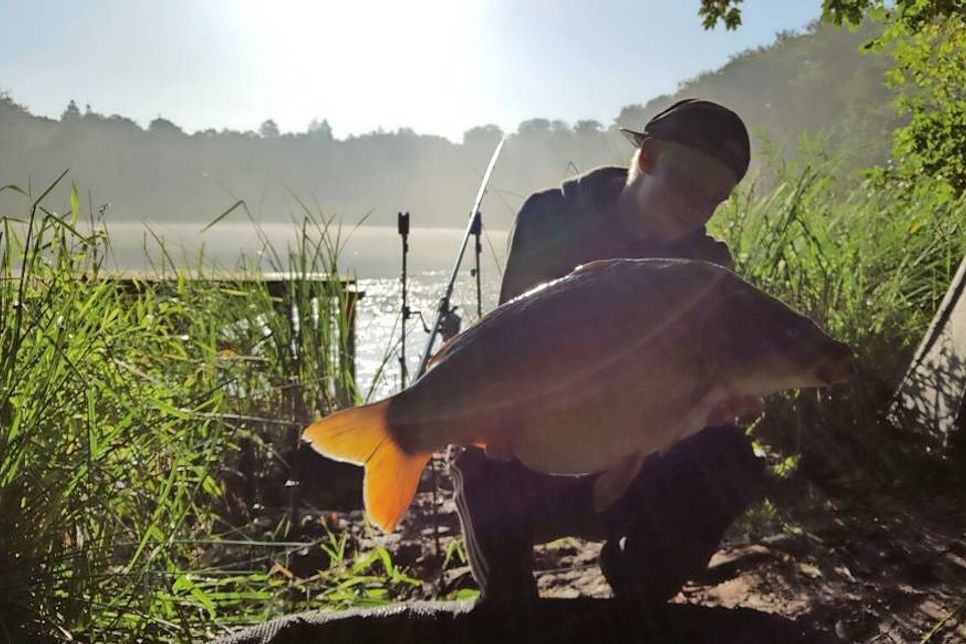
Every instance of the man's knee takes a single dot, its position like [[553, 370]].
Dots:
[[666, 528], [693, 492], [725, 460], [715, 472]]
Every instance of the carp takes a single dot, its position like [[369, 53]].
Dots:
[[588, 373]]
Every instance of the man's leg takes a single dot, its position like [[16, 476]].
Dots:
[[496, 527], [503, 508], [665, 528]]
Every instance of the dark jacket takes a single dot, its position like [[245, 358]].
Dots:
[[561, 228]]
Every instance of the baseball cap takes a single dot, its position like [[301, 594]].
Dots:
[[702, 124]]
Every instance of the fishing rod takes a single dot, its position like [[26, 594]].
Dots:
[[446, 318]]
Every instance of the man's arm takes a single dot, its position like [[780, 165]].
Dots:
[[528, 263]]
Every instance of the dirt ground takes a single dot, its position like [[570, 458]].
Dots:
[[884, 569]]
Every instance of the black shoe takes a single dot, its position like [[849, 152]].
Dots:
[[647, 572]]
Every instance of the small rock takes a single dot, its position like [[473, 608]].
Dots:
[[957, 547], [845, 572], [809, 570]]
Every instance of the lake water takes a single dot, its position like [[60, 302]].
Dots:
[[378, 322], [370, 254]]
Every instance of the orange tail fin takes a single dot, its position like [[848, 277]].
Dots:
[[359, 435]]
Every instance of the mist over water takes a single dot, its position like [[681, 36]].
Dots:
[[365, 251]]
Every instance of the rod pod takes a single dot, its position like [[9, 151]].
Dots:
[[402, 224]]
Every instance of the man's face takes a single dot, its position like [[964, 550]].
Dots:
[[678, 190]]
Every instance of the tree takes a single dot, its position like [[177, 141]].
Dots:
[[484, 136], [928, 42], [71, 113], [588, 127], [930, 73], [559, 127], [320, 130], [90, 115], [268, 130], [163, 126], [534, 128], [122, 123]]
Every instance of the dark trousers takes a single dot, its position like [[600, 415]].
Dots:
[[659, 534]]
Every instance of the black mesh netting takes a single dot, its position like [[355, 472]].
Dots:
[[547, 620]]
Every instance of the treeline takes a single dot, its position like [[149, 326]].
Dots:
[[815, 82]]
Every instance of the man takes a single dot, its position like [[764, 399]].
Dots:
[[668, 524]]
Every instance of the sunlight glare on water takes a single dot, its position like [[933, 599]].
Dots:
[[378, 323]]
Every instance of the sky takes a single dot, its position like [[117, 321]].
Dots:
[[436, 66]]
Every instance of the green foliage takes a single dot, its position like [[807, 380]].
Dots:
[[104, 456], [914, 13], [930, 73], [122, 408], [764, 519], [727, 11]]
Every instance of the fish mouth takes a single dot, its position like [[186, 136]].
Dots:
[[836, 370]]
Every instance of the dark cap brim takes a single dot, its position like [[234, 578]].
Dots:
[[636, 138]]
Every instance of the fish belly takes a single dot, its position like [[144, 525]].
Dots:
[[595, 430]]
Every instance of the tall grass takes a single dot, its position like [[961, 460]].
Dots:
[[124, 408], [105, 450]]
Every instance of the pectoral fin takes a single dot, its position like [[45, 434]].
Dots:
[[612, 483], [734, 409]]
